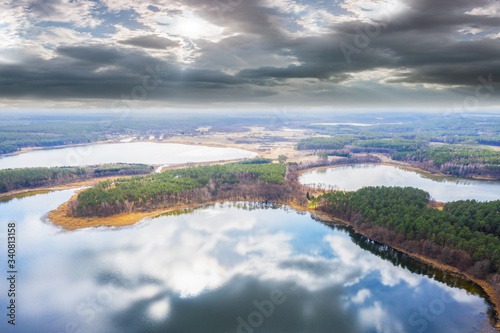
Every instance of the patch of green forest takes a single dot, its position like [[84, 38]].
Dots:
[[472, 130], [259, 160], [16, 179], [440, 155], [475, 130], [156, 189], [465, 234], [15, 137]]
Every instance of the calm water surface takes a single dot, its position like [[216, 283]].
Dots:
[[223, 268], [354, 177], [137, 152]]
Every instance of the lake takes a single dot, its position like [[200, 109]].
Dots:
[[441, 188], [137, 152], [233, 267]]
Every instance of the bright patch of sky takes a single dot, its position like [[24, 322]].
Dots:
[[186, 24]]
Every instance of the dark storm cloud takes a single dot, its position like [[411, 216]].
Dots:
[[441, 15], [293, 71], [322, 58], [246, 17], [445, 6], [96, 54], [96, 59], [422, 42], [106, 72], [150, 42], [258, 58]]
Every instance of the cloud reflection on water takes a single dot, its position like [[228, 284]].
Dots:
[[202, 270]]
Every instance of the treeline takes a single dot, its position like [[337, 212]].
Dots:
[[440, 155], [351, 159], [397, 144], [259, 160], [15, 137], [472, 130], [12, 142], [16, 179], [338, 153], [465, 234], [266, 182], [336, 142], [413, 148], [354, 143], [455, 160]]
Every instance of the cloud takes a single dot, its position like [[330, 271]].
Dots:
[[263, 51], [489, 9], [79, 13], [150, 42], [361, 296], [95, 54]]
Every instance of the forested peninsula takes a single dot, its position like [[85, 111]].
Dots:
[[239, 181], [31, 178], [463, 234]]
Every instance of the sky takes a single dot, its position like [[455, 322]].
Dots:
[[250, 54]]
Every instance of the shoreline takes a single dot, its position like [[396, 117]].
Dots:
[[60, 218], [252, 147], [48, 188], [196, 164], [189, 164], [402, 166], [60, 187], [208, 144], [93, 180], [28, 149]]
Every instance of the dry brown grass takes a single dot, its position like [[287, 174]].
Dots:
[[60, 216], [437, 204]]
